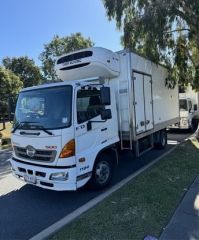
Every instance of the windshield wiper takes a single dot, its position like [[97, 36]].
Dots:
[[31, 127], [21, 124], [40, 127]]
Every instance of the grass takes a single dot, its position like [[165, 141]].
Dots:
[[145, 205], [5, 134]]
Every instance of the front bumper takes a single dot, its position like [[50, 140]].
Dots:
[[180, 125], [41, 175]]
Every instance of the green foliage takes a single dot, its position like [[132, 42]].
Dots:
[[25, 68], [10, 86], [165, 31], [3, 107], [59, 46], [10, 83]]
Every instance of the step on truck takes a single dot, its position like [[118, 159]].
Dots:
[[66, 134]]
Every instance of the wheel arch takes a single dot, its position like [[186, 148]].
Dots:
[[111, 151]]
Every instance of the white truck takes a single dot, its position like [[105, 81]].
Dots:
[[66, 134], [189, 109]]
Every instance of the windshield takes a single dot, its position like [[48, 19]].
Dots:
[[49, 108], [183, 105]]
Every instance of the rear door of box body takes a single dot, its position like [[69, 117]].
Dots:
[[143, 102]]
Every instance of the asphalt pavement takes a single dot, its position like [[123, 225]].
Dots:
[[25, 210]]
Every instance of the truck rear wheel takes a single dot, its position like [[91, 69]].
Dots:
[[102, 172], [161, 139]]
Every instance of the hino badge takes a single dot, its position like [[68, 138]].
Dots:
[[66, 134]]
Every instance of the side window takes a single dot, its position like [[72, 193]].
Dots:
[[88, 104]]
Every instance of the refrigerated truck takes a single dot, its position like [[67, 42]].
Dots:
[[67, 134]]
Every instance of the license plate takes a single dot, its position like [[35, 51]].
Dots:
[[30, 179]]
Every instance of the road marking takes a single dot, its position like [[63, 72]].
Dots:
[[172, 142], [46, 233]]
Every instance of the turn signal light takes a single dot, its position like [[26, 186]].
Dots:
[[68, 149]]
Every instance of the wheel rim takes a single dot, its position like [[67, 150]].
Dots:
[[102, 172]]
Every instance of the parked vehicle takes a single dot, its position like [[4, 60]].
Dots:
[[67, 134], [189, 109]]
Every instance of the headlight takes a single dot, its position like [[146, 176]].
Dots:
[[60, 176]]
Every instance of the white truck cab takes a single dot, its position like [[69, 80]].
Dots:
[[186, 113], [189, 109], [54, 147], [66, 134]]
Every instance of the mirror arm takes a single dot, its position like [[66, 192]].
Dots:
[[89, 127]]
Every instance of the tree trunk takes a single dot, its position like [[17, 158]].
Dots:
[[4, 122]]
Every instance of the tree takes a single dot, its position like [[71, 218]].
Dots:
[[59, 46], [163, 30], [25, 69], [3, 112], [10, 86]]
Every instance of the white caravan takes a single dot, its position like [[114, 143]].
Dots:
[[189, 109], [66, 134]]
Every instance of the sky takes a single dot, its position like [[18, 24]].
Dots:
[[26, 25]]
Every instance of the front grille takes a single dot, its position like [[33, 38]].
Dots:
[[40, 154]]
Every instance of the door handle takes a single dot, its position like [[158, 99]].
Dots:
[[147, 122], [142, 123]]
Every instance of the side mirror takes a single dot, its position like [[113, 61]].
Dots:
[[195, 107], [105, 96], [106, 114]]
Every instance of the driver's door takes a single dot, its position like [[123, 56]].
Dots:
[[88, 140]]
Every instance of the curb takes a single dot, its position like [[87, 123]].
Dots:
[[46, 233]]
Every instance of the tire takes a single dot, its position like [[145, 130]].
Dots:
[[191, 127], [162, 140], [102, 172]]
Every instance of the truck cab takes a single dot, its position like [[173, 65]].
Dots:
[[186, 113], [60, 130], [188, 109]]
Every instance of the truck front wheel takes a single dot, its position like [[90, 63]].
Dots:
[[102, 172]]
